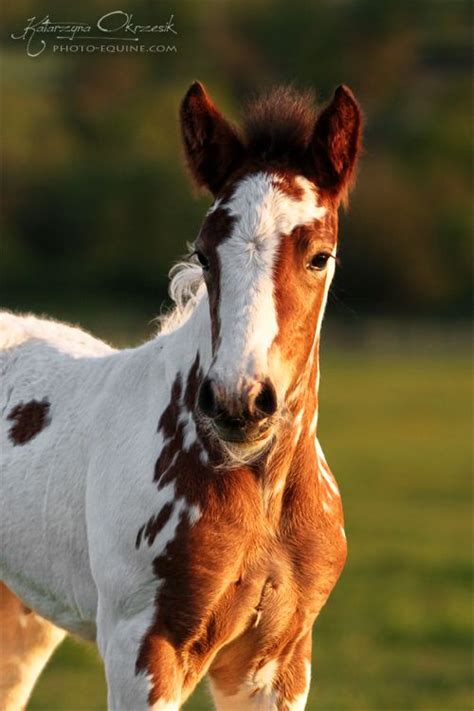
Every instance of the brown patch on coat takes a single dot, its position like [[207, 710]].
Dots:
[[217, 228], [150, 531], [30, 418], [288, 184], [299, 292]]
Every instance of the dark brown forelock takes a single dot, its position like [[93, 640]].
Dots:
[[278, 126]]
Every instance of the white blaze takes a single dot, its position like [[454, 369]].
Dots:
[[247, 312]]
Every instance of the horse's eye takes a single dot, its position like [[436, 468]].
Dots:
[[203, 260], [319, 261]]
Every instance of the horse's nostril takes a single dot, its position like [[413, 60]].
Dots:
[[207, 400], [266, 401]]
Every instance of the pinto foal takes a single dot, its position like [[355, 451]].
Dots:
[[171, 502]]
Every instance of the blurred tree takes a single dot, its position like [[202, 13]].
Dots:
[[95, 199]]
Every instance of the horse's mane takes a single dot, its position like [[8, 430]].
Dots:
[[186, 289], [276, 128]]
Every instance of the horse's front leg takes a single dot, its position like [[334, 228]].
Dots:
[[140, 678], [278, 684]]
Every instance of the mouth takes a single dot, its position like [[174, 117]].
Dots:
[[240, 441], [242, 434], [239, 431]]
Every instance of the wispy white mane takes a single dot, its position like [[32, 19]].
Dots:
[[186, 289]]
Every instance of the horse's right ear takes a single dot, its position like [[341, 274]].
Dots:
[[212, 147]]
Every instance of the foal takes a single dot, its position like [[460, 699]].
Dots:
[[171, 502]]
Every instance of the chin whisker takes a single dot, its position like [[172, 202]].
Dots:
[[235, 454]]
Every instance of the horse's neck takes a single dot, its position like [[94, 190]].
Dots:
[[192, 339]]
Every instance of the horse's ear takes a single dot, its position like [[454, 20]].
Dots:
[[336, 142], [212, 146]]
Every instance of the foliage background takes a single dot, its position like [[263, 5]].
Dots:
[[96, 206]]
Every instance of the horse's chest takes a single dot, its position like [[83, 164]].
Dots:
[[292, 581], [234, 584], [278, 601]]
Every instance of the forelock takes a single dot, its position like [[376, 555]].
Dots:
[[278, 126]]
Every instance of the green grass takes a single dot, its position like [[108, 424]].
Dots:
[[396, 632]]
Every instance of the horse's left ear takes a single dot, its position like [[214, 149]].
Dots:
[[336, 143], [212, 146]]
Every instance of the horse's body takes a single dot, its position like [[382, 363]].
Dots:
[[126, 520]]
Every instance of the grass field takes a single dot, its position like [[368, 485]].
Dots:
[[396, 632]]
